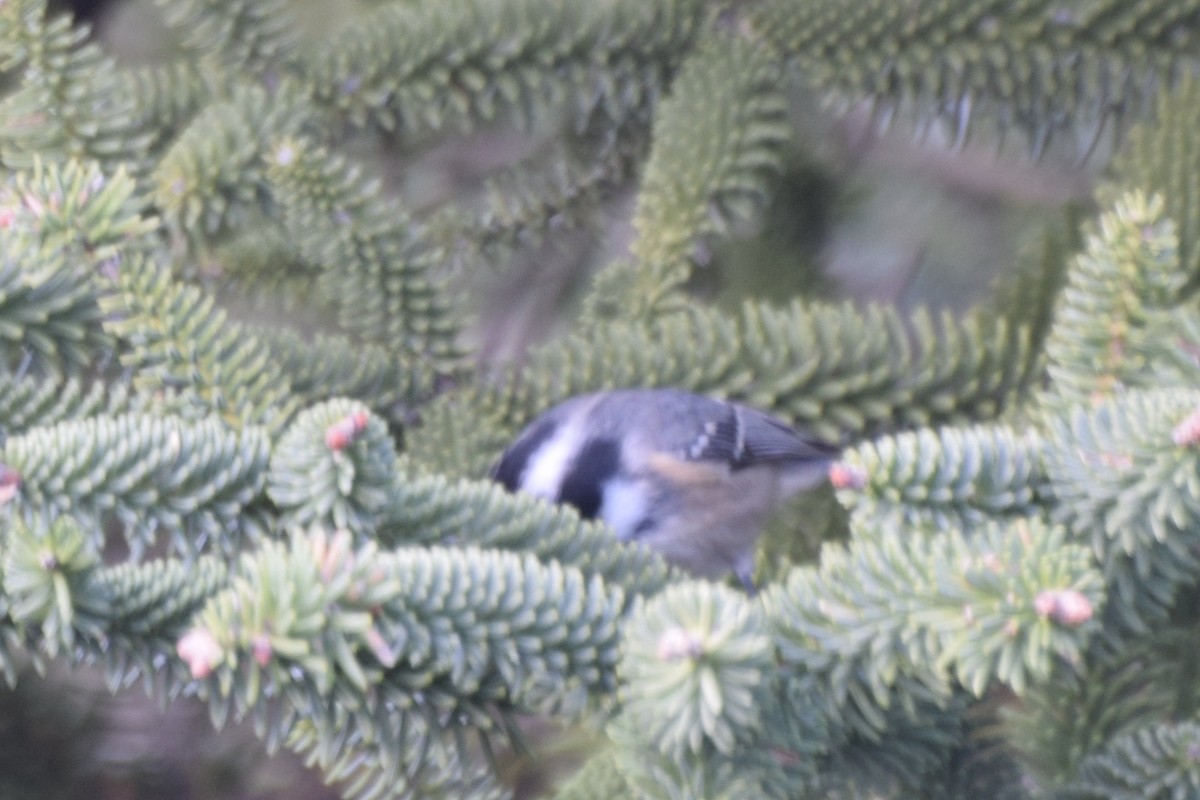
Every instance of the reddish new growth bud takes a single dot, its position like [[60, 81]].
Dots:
[[340, 434], [262, 650], [10, 482], [199, 648], [1064, 606], [844, 476], [1187, 433], [676, 643]]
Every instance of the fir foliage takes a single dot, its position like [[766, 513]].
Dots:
[[718, 140], [357, 641], [1155, 762], [165, 97], [419, 761], [1104, 336], [328, 366], [1124, 482], [556, 189], [598, 779], [1076, 713], [128, 617], [1165, 159], [831, 369], [30, 402], [366, 250], [214, 169], [47, 579], [62, 106], [880, 605], [433, 510], [949, 478], [650, 774], [177, 339], [1037, 66], [153, 473], [49, 320], [315, 477], [914, 754], [233, 339], [64, 225], [244, 36], [415, 67], [693, 661]]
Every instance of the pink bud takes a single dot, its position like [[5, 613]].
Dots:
[[199, 648], [10, 483], [843, 476], [1064, 606], [262, 650], [340, 434], [1187, 433], [676, 643]]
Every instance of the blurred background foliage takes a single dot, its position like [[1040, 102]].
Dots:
[[900, 215]]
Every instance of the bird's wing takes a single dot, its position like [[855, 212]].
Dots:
[[742, 437]]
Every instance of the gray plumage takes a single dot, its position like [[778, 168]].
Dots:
[[692, 477]]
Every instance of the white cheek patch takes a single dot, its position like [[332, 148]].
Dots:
[[549, 463], [623, 507]]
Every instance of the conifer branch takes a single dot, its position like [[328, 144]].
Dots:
[[598, 779], [156, 474], [61, 107], [1038, 66], [1111, 312], [414, 67], [30, 401], [1124, 686], [1122, 480], [177, 340], [412, 759], [718, 140], [542, 195], [880, 617], [1157, 755], [934, 480], [59, 598], [333, 465], [831, 369], [325, 367], [247, 36], [1041, 571], [436, 510], [213, 176], [335, 634], [1164, 157], [62, 224], [370, 260], [49, 319], [165, 97], [693, 662]]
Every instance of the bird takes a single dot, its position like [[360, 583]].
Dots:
[[689, 476]]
